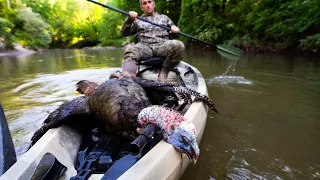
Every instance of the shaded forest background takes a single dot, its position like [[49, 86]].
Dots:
[[253, 25]]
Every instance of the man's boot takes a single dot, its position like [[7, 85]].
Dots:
[[130, 66]]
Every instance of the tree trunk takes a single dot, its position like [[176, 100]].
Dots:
[[223, 5], [8, 3]]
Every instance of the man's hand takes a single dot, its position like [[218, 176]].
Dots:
[[133, 15], [174, 29]]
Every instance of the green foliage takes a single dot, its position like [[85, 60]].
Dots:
[[7, 16], [281, 23], [171, 8], [109, 27], [119, 42], [311, 43], [210, 34], [202, 19], [244, 42], [128, 5], [35, 32], [249, 24], [5, 33], [5, 12], [42, 7]]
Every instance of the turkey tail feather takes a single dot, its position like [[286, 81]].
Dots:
[[198, 96], [181, 90]]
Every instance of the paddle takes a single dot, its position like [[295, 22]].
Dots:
[[7, 151], [225, 48]]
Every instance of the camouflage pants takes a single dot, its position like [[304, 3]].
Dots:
[[173, 50]]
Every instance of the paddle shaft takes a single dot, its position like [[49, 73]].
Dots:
[[155, 24]]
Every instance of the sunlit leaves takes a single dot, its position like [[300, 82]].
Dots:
[[109, 27], [5, 33], [35, 32], [279, 23]]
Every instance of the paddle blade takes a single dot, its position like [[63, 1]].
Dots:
[[49, 168], [230, 52], [7, 151]]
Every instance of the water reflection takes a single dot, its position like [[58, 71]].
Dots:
[[56, 61], [38, 97], [268, 126], [33, 86]]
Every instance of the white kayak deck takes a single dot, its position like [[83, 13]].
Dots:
[[161, 162]]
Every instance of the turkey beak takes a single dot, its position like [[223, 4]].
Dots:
[[192, 153], [194, 161]]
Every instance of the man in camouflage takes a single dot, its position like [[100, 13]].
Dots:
[[152, 40]]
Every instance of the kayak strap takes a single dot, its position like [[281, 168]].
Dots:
[[90, 163], [49, 168], [189, 70]]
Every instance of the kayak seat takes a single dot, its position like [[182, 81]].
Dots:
[[153, 63]]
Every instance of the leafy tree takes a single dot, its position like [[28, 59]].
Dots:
[[35, 32], [128, 5], [59, 15], [171, 8], [281, 23], [5, 33], [109, 27], [7, 16], [311, 43], [202, 19], [249, 24]]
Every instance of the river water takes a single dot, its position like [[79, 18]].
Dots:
[[269, 105]]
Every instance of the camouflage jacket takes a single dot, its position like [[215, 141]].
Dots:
[[148, 33]]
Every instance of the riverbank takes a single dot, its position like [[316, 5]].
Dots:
[[17, 51], [21, 51]]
